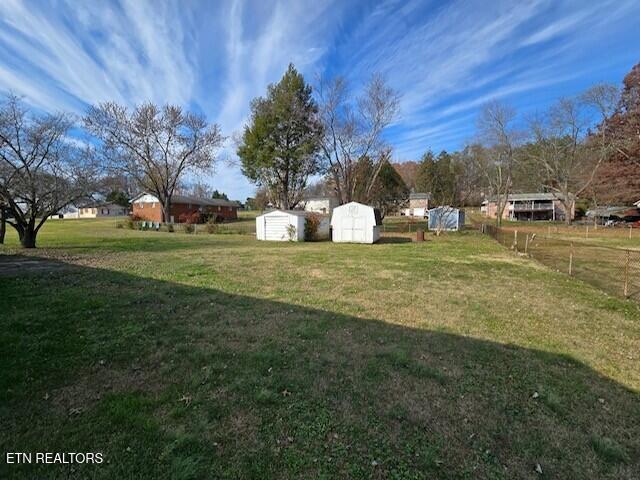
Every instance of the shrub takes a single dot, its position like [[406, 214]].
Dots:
[[188, 228], [170, 228], [120, 224], [211, 226], [311, 226], [291, 232]]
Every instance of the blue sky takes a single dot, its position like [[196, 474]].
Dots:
[[446, 59]]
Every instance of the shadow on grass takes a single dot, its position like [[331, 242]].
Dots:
[[174, 381]]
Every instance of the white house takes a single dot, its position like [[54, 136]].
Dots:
[[355, 223], [324, 205], [70, 211], [102, 210], [287, 225], [418, 205]]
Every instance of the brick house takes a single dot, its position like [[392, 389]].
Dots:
[[147, 207], [529, 206], [418, 205]]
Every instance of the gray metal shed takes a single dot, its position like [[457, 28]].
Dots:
[[446, 218]]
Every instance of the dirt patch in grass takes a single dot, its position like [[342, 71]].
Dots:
[[90, 387], [14, 265]]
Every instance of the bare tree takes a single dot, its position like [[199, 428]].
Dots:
[[41, 172], [603, 100], [559, 157], [497, 132], [353, 129], [156, 146], [564, 163]]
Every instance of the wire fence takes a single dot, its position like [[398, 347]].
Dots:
[[400, 225], [613, 270]]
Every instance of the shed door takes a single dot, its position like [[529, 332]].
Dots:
[[353, 229], [275, 227]]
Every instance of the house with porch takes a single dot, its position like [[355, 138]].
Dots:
[[530, 207]]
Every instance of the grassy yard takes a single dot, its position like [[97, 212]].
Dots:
[[617, 237], [217, 356]]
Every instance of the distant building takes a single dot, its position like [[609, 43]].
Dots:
[[70, 211], [147, 207], [446, 218], [101, 210], [606, 214], [323, 205], [529, 206], [418, 205]]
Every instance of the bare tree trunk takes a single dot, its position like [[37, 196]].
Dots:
[[567, 213], [500, 206], [166, 211], [3, 225], [28, 236]]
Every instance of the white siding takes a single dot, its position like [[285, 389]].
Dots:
[[354, 223], [275, 226]]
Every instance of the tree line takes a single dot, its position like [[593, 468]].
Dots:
[[298, 134], [586, 146]]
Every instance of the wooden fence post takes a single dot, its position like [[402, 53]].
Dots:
[[515, 240], [526, 244], [630, 227], [587, 234], [626, 274], [571, 260]]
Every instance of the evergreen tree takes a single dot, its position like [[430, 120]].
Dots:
[[438, 176], [280, 146]]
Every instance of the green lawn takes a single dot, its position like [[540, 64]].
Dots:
[[217, 356]]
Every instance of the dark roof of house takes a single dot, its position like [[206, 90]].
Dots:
[[530, 197], [419, 196], [99, 205], [214, 202]]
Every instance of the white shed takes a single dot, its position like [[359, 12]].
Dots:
[[355, 223], [288, 225]]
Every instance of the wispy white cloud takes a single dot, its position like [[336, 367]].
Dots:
[[446, 60]]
